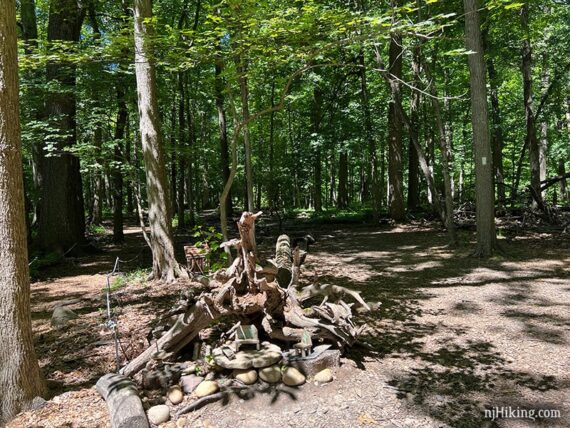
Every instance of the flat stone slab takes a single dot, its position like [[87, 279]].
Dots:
[[268, 355]]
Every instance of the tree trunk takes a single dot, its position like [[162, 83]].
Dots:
[[98, 181], [164, 265], [117, 173], [562, 173], [445, 160], [543, 146], [20, 377], [413, 166], [244, 91], [317, 161], [497, 133], [342, 199], [395, 150], [372, 164], [485, 204], [182, 144], [62, 218], [531, 140]]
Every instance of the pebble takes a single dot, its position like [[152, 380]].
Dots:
[[293, 377], [270, 374], [175, 395], [247, 377], [324, 376], [190, 382], [158, 414], [181, 422], [207, 387]]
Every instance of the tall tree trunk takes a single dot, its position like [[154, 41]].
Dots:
[[372, 164], [224, 155], [445, 160], [98, 181], [497, 141], [182, 144], [342, 199], [117, 173], [173, 158], [395, 150], [543, 146], [485, 200], [531, 140], [128, 161], [164, 263], [413, 165], [272, 193], [20, 377], [244, 92], [317, 161], [62, 218]]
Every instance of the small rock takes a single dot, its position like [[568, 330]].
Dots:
[[190, 382], [175, 395], [181, 422], [158, 414], [168, 425], [38, 403], [293, 377], [247, 377], [270, 374], [61, 316], [208, 387], [324, 376], [191, 369]]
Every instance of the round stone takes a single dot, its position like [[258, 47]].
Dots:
[[175, 395], [208, 387], [247, 377], [293, 377], [190, 382], [158, 414], [324, 376], [181, 422], [270, 374]]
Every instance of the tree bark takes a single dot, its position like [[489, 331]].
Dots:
[[413, 200], [61, 222], [224, 154], [317, 161], [244, 91], [485, 200], [164, 265], [445, 160], [531, 140], [117, 173], [182, 144], [372, 164], [395, 150], [497, 130], [20, 377]]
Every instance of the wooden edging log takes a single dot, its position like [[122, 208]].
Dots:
[[122, 398]]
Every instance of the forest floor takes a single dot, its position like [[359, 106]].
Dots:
[[455, 335]]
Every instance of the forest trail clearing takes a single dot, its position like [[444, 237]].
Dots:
[[453, 334]]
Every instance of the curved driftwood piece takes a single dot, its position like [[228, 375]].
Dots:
[[200, 403], [329, 290], [122, 398]]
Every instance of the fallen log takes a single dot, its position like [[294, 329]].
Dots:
[[122, 398]]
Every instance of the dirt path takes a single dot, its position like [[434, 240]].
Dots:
[[454, 336]]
